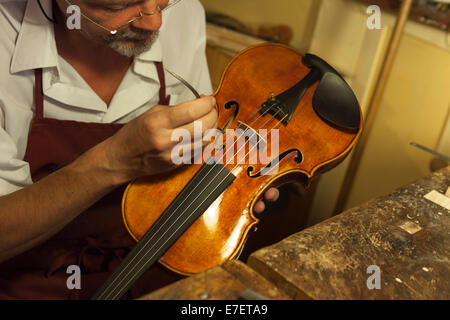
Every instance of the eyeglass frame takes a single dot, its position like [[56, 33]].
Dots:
[[140, 16]]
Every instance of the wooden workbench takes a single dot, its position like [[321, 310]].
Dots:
[[404, 234], [229, 281]]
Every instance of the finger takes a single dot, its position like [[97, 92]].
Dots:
[[187, 112], [195, 151], [259, 207], [272, 194], [208, 121]]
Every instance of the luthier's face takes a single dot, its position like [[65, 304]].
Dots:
[[134, 38]]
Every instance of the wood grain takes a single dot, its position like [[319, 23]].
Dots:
[[330, 260], [225, 282], [220, 233]]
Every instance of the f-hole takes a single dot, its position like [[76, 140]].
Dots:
[[228, 106], [275, 162]]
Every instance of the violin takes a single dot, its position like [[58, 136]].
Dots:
[[199, 216]]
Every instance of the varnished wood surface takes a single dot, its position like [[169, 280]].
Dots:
[[225, 282], [330, 260], [220, 233]]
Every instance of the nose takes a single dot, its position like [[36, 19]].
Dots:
[[151, 16]]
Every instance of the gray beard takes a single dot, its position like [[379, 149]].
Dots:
[[139, 46]]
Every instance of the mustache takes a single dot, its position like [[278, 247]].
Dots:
[[141, 35]]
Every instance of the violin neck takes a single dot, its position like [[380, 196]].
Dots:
[[200, 192]]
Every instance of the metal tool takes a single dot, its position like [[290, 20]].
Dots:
[[437, 154]]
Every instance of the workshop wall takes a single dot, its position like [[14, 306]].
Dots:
[[414, 106], [416, 102], [299, 15]]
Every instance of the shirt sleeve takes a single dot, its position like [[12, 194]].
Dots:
[[14, 172]]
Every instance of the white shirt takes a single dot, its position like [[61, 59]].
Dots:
[[27, 42]]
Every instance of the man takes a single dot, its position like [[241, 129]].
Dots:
[[82, 113]]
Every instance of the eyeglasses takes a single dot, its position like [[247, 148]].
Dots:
[[140, 16]]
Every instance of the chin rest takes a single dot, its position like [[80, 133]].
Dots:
[[333, 100]]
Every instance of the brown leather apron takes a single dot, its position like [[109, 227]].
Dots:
[[96, 240]]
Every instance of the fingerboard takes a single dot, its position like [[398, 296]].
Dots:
[[200, 192]]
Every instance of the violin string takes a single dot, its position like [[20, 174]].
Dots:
[[188, 206], [255, 113], [192, 211], [137, 255], [118, 285], [173, 212], [243, 133], [200, 204]]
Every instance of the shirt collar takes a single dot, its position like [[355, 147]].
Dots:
[[143, 64], [154, 54], [35, 46]]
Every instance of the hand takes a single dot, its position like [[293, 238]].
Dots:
[[270, 195], [144, 145]]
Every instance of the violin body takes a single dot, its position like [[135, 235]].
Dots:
[[310, 145]]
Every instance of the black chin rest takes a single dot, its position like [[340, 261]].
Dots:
[[335, 102], [333, 99]]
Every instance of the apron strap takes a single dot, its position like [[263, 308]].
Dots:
[[163, 99], [38, 94]]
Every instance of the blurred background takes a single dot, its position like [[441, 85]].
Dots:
[[415, 105]]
